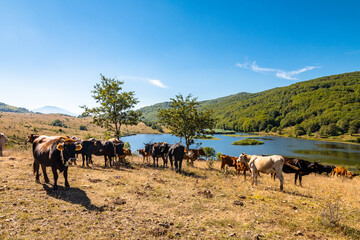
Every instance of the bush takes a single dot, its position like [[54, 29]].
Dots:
[[299, 130], [248, 141], [209, 152], [127, 145], [218, 155], [58, 123], [83, 128]]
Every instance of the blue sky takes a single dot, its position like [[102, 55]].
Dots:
[[52, 52]]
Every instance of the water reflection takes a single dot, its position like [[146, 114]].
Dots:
[[332, 153]]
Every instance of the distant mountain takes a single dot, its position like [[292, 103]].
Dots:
[[330, 105], [7, 108], [53, 109]]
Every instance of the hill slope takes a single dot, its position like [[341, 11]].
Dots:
[[7, 108], [330, 104]]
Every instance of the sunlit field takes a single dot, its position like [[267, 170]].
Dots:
[[138, 201]]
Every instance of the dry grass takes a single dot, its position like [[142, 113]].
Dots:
[[16, 126], [142, 202]]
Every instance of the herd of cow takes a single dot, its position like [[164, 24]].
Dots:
[[58, 152]]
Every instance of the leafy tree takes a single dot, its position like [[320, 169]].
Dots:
[[127, 145], [354, 126], [209, 152], [115, 107], [185, 120]]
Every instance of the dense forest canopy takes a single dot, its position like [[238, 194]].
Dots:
[[328, 105]]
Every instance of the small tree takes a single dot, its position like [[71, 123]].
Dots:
[[127, 145], [115, 106], [185, 119], [209, 152]]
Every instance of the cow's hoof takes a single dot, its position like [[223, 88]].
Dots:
[[47, 181], [37, 181]]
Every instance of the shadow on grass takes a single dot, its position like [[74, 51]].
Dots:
[[297, 194], [74, 196], [192, 174]]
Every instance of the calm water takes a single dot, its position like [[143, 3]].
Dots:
[[331, 153]]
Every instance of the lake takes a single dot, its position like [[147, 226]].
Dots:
[[325, 152]]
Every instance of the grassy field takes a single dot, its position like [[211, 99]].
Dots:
[[17, 126], [142, 202]]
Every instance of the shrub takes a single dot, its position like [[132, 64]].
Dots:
[[58, 123], [83, 128], [218, 155], [127, 145], [248, 141], [209, 152]]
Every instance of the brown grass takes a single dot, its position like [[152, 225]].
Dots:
[[16, 126], [142, 202]]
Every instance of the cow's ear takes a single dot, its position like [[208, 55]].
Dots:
[[60, 146], [78, 147]]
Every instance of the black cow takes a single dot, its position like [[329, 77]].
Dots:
[[298, 166], [55, 152], [323, 169], [159, 149], [109, 149], [176, 151]]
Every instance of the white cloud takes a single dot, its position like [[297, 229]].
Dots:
[[278, 72], [157, 83], [154, 82]]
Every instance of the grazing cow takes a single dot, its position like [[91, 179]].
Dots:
[[340, 171], [145, 155], [300, 167], [3, 141], [176, 151], [55, 152], [240, 166], [193, 154], [264, 164], [328, 169], [159, 149], [227, 160], [351, 175]]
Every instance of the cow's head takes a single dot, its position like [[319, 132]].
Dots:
[[67, 149], [32, 137], [317, 168], [243, 158]]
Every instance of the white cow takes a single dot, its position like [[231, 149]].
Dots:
[[264, 164], [3, 141]]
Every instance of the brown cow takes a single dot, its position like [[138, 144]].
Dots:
[[340, 171], [193, 154], [126, 152], [145, 155], [227, 160]]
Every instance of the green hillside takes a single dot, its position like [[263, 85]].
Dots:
[[328, 105], [7, 108]]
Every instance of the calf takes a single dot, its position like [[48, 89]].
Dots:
[[145, 155], [340, 171], [193, 154]]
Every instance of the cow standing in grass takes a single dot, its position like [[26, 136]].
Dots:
[[176, 151], [264, 164], [55, 152]]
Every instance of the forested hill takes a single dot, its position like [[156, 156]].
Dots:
[[329, 104], [7, 108]]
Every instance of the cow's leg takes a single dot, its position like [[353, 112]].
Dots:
[[180, 163], [253, 174], [171, 162], [43, 167], [296, 176], [280, 176], [84, 158], [55, 177], [66, 177], [300, 180], [36, 171], [244, 175], [1, 154]]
